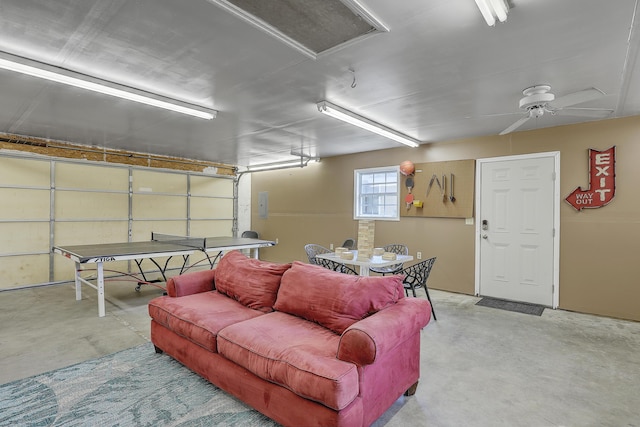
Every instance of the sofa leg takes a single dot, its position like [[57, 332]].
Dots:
[[158, 349], [411, 390]]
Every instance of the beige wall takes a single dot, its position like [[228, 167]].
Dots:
[[599, 248]]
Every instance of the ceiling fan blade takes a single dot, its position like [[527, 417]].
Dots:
[[515, 113], [585, 112], [577, 98], [516, 125]]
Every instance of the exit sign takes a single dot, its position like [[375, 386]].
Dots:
[[602, 181]]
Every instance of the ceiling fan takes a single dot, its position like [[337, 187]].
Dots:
[[538, 100]]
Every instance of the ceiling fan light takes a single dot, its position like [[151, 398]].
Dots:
[[364, 123], [537, 111]]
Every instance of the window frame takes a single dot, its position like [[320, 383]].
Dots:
[[357, 192]]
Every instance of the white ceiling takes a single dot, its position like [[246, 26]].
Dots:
[[439, 74]]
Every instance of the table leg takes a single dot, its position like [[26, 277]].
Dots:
[[364, 270], [101, 309], [78, 282]]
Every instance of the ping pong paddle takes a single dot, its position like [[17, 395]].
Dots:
[[409, 184], [409, 198]]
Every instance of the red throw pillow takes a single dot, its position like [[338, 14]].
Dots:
[[251, 282], [334, 300]]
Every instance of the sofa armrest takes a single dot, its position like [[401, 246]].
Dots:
[[381, 332], [191, 283]]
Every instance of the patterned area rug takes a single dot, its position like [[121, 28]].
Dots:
[[134, 387], [518, 307]]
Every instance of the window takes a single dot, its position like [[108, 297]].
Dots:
[[376, 194]]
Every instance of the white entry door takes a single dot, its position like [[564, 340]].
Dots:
[[517, 221]]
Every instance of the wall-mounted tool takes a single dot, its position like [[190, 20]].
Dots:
[[451, 197], [434, 177]]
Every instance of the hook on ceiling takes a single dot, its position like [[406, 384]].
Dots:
[[354, 83]]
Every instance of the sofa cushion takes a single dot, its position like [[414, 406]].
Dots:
[[293, 353], [251, 282], [199, 317], [334, 300], [190, 283]]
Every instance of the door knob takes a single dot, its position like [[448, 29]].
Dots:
[[484, 236]]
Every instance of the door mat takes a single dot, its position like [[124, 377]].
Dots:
[[518, 307]]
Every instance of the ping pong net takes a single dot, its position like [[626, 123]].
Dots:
[[191, 242]]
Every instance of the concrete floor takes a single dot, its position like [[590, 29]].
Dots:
[[480, 366]]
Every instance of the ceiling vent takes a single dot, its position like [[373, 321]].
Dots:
[[310, 26]]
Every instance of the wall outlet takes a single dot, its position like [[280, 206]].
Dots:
[[419, 255], [331, 246], [276, 240]]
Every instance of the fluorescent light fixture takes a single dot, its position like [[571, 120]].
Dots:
[[492, 10], [364, 123], [71, 78], [286, 164]]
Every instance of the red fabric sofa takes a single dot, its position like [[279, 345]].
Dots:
[[302, 344]]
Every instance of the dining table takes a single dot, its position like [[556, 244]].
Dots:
[[366, 263]]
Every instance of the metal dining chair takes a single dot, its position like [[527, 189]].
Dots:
[[336, 266], [349, 244], [416, 277], [312, 250], [250, 234], [398, 249]]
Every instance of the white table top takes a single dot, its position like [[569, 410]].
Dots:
[[374, 261]]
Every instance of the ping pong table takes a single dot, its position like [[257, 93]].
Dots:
[[160, 246]]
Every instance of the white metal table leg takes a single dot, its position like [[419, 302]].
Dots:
[[78, 282], [101, 310]]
